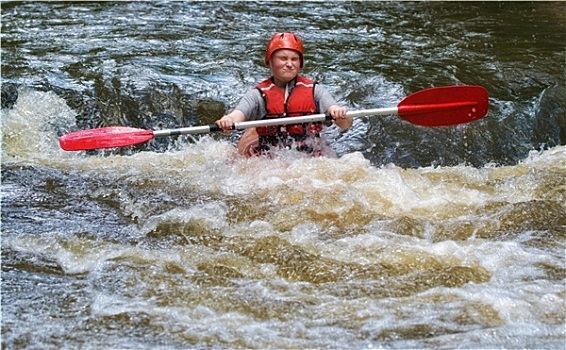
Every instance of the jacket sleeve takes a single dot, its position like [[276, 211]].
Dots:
[[323, 98], [252, 105]]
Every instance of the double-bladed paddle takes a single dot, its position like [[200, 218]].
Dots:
[[440, 106]]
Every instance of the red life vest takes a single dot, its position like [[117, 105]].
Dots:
[[299, 102]]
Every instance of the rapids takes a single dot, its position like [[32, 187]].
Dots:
[[409, 238]]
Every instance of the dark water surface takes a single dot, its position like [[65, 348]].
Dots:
[[412, 237]]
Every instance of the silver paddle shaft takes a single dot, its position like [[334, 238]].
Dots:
[[314, 118]]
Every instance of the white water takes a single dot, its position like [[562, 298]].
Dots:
[[196, 247]]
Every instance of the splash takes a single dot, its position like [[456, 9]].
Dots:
[[30, 129]]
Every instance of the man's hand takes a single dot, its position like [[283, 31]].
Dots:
[[338, 113], [226, 123]]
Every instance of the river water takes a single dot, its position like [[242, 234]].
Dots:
[[410, 237]]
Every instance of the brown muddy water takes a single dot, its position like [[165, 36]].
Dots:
[[410, 238]]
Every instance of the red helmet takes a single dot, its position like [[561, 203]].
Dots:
[[284, 41]]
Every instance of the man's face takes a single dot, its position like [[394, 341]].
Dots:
[[285, 65]]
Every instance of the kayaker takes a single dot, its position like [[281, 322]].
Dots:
[[284, 94]]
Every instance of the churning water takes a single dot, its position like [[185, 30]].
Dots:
[[411, 237]]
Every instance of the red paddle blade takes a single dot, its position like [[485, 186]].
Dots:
[[446, 105], [116, 136]]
